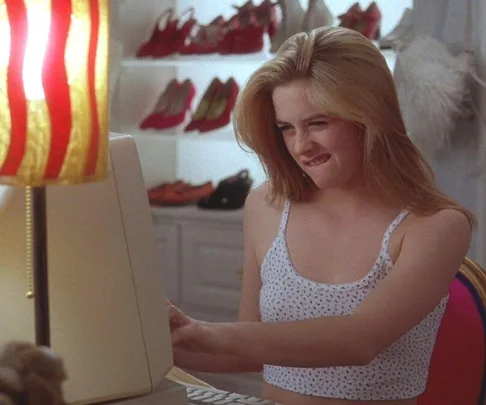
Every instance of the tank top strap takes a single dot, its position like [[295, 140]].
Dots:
[[285, 217], [389, 231]]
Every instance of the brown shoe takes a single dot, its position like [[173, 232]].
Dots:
[[189, 195], [162, 189]]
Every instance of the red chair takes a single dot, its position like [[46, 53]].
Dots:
[[457, 373]]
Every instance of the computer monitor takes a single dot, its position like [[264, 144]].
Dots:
[[107, 303]]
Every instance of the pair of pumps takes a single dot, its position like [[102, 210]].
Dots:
[[295, 19]]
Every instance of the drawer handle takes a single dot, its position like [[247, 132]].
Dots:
[[239, 273]]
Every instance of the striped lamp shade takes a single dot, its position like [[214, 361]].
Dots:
[[53, 91]]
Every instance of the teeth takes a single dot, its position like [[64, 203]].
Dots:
[[318, 161]]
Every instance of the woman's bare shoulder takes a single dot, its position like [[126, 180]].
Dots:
[[440, 227], [262, 219], [259, 202], [449, 219]]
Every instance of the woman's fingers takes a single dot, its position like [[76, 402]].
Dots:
[[185, 338], [177, 318], [186, 333], [177, 336]]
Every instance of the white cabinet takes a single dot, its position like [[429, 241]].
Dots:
[[212, 256], [202, 252]]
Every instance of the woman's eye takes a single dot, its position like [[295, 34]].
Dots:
[[284, 128], [319, 124]]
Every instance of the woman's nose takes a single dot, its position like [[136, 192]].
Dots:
[[301, 144]]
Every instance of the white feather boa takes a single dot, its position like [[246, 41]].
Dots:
[[432, 86]]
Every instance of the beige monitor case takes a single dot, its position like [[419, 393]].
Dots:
[[107, 302]]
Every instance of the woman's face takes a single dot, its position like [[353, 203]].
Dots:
[[327, 149]]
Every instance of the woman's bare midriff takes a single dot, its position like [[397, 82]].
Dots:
[[284, 397]]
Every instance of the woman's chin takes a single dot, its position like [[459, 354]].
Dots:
[[324, 183], [321, 182]]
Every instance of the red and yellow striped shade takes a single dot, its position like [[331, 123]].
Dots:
[[53, 91]]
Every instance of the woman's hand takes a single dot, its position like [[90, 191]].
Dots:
[[195, 336], [177, 318]]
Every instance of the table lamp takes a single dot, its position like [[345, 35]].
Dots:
[[53, 114]]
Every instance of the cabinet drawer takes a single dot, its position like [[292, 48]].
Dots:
[[210, 262]]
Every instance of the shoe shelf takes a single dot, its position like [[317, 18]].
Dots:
[[225, 134], [184, 60], [226, 60], [193, 212]]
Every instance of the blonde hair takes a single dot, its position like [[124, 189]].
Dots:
[[348, 78]]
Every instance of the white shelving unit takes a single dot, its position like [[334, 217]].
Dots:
[[173, 154], [187, 60]]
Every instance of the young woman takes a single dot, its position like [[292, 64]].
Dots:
[[350, 248]]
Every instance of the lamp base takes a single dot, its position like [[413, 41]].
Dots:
[[39, 266]]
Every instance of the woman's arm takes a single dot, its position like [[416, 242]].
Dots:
[[431, 253], [213, 363]]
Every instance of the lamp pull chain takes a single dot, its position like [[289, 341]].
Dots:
[[28, 239]]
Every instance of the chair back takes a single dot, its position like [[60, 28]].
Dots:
[[457, 374]]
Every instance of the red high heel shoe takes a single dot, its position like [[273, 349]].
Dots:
[[176, 113], [368, 23], [174, 44], [248, 40], [219, 113], [206, 39], [372, 16], [248, 6], [171, 39], [266, 16], [234, 26], [243, 34], [271, 17], [351, 17], [202, 109], [163, 104], [159, 35]]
